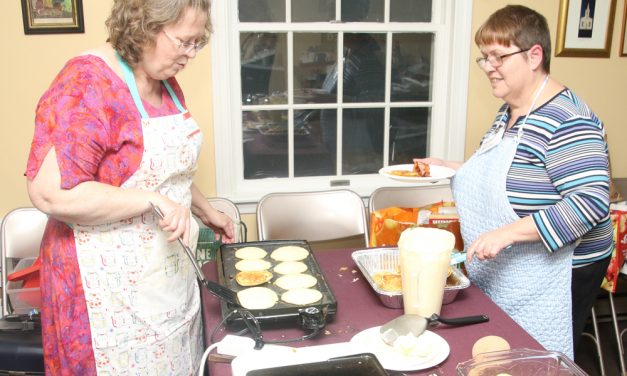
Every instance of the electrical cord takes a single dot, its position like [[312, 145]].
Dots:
[[252, 326], [203, 360]]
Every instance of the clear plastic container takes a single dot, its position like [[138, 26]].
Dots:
[[23, 300], [520, 362]]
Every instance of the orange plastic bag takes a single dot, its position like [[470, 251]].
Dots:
[[619, 222], [387, 224]]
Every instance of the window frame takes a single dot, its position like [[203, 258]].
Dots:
[[452, 23]]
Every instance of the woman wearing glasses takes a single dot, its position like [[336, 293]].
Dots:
[[112, 136], [534, 198]]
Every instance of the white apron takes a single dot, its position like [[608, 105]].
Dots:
[[531, 284], [142, 296]]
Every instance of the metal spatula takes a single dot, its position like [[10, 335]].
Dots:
[[215, 288], [416, 325]]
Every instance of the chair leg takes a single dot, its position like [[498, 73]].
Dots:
[[620, 338], [597, 340], [621, 350]]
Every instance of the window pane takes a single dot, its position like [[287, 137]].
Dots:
[[315, 140], [409, 132], [362, 10], [264, 134], [315, 71], [364, 67], [261, 10], [410, 10], [313, 10], [411, 67], [264, 77], [362, 141]]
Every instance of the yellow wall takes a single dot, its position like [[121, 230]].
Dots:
[[30, 62]]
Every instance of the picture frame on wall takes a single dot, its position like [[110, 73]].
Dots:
[[584, 28], [623, 42], [53, 16]]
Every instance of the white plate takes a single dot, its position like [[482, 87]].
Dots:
[[370, 340], [436, 172]]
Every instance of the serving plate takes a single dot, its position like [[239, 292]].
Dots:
[[370, 340], [436, 172]]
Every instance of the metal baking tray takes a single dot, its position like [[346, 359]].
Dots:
[[374, 260], [281, 312]]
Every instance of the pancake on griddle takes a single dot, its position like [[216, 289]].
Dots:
[[257, 298], [290, 267], [301, 297], [296, 281], [289, 253], [252, 264], [250, 253], [253, 277]]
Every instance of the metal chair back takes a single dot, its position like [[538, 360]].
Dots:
[[408, 197], [21, 230], [313, 216]]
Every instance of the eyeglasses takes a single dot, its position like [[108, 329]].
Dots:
[[496, 60], [186, 46]]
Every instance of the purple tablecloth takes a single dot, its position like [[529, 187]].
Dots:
[[359, 308]]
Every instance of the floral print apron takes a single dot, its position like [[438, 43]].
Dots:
[[141, 292]]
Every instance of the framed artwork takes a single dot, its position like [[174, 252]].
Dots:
[[623, 42], [584, 28], [53, 16]]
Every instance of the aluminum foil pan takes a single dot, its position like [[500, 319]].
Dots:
[[375, 260]]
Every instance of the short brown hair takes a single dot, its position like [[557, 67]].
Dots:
[[133, 24], [518, 25]]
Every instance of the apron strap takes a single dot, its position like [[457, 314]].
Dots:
[[129, 78], [175, 99]]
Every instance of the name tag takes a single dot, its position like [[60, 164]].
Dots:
[[492, 139]]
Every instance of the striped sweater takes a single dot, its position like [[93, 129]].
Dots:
[[560, 176]]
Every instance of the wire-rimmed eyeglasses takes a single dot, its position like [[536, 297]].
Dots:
[[496, 60], [186, 46]]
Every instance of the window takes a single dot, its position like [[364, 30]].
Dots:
[[313, 94]]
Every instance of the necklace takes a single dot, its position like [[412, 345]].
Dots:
[[533, 104]]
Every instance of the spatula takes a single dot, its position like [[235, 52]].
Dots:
[[416, 325], [214, 288]]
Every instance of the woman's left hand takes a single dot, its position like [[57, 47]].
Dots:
[[220, 223], [489, 244]]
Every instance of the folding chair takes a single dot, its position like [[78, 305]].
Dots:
[[321, 216], [21, 351], [22, 230]]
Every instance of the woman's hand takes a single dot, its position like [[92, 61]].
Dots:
[[219, 222], [488, 245], [176, 219], [439, 162]]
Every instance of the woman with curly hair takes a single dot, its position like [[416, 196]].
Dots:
[[113, 135]]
